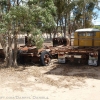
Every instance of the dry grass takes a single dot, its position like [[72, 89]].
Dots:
[[56, 75], [19, 78]]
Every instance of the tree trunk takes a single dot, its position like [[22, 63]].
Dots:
[[69, 23], [50, 36], [65, 27], [56, 29], [15, 50], [9, 51], [3, 42], [61, 25]]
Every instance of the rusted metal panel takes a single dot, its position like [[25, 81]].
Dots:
[[29, 54], [60, 41], [78, 50]]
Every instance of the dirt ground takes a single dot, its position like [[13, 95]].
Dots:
[[54, 82]]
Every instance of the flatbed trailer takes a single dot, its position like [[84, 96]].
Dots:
[[43, 56], [30, 54]]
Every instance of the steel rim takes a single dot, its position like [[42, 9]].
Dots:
[[47, 59]]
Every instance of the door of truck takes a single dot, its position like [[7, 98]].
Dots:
[[86, 38]]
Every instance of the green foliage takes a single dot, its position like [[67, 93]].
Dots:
[[35, 14], [43, 13], [37, 38], [97, 26], [2, 28], [84, 12], [3, 3]]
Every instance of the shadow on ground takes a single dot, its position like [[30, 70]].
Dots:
[[74, 69]]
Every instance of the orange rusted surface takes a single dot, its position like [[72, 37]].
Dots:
[[78, 50]]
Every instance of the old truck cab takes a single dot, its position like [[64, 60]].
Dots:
[[87, 37]]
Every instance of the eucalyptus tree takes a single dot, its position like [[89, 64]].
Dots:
[[69, 6], [59, 13], [84, 13], [11, 16], [6, 30], [44, 12], [30, 17], [64, 8]]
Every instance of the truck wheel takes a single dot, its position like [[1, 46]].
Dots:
[[45, 58]]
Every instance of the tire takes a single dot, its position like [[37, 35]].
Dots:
[[45, 58]]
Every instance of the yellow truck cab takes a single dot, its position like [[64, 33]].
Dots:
[[85, 48], [87, 37]]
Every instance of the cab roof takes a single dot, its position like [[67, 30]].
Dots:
[[87, 30]]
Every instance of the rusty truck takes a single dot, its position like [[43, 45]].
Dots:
[[84, 47]]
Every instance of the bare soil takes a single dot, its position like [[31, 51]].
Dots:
[[54, 82]]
